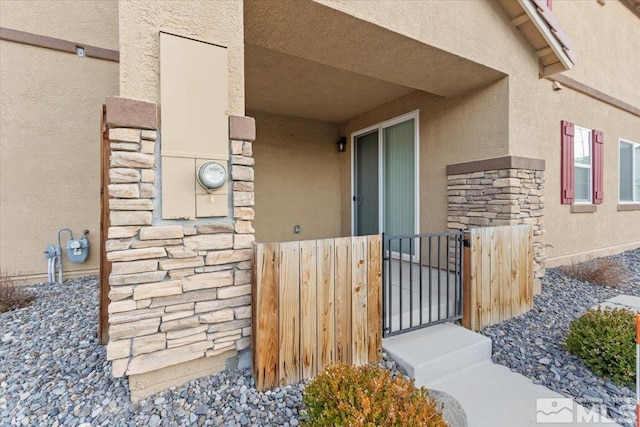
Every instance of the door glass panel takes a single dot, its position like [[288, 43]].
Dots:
[[366, 197], [399, 180]]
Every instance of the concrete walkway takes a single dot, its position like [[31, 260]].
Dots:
[[458, 361], [621, 301]]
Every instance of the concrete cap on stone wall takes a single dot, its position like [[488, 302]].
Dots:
[[131, 113], [242, 128]]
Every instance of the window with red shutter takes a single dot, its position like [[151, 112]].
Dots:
[[597, 140], [567, 174]]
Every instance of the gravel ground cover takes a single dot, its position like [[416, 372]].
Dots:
[[532, 344], [53, 372]]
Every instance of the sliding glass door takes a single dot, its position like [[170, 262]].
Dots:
[[366, 198], [385, 179], [399, 178]]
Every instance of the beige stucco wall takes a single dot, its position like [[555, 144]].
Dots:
[[606, 61], [94, 22], [470, 29], [218, 22], [50, 105], [298, 178], [606, 40], [568, 233], [467, 127], [302, 180]]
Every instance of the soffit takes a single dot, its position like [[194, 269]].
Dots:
[[283, 84], [324, 35], [541, 28]]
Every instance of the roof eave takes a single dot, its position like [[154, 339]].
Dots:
[[565, 64]]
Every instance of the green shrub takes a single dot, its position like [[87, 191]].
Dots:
[[605, 341], [367, 396]]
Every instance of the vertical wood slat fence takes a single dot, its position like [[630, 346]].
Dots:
[[315, 303], [499, 282]]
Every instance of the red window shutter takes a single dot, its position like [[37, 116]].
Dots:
[[549, 4], [567, 174], [597, 142]]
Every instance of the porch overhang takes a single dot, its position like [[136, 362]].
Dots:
[[542, 30], [296, 51]]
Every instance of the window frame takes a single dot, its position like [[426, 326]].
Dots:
[[589, 201], [634, 146]]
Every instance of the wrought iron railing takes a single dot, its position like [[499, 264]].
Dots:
[[422, 280]]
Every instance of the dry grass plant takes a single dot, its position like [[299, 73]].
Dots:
[[12, 294], [599, 271]]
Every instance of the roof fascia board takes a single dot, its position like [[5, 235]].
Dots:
[[542, 27]]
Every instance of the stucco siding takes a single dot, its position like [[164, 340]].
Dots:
[[298, 174], [218, 22], [476, 30], [606, 40], [94, 22], [50, 132], [571, 233]]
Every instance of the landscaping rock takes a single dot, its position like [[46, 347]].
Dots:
[[452, 411], [53, 372]]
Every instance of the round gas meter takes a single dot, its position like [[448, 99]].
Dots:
[[211, 175]]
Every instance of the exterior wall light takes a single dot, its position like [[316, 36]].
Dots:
[[342, 144]]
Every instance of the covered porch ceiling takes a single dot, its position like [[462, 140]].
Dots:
[[283, 84], [308, 60]]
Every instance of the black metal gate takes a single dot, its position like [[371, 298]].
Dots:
[[422, 280]]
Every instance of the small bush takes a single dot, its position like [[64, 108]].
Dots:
[[605, 341], [367, 396], [600, 271], [12, 295]]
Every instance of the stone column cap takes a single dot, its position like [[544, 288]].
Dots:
[[242, 128], [131, 113], [496, 163]]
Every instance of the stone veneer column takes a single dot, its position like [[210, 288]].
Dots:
[[503, 191], [179, 290]]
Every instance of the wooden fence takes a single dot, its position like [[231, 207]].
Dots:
[[499, 275], [315, 303]]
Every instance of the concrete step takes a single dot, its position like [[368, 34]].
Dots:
[[436, 351], [457, 361]]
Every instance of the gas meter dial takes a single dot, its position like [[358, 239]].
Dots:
[[211, 175]]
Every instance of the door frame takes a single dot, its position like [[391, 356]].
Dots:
[[415, 115]]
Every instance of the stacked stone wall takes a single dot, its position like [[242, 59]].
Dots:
[[499, 197], [179, 290]]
